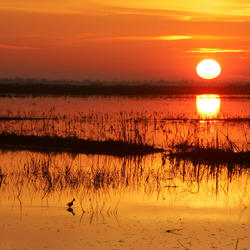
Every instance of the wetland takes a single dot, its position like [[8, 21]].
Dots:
[[145, 171]]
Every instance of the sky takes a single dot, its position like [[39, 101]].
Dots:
[[123, 39]]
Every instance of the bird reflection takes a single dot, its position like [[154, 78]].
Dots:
[[70, 210]]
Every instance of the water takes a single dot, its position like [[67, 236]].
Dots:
[[117, 196]]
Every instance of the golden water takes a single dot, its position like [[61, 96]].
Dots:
[[35, 187]]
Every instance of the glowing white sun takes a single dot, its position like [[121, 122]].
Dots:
[[208, 69]]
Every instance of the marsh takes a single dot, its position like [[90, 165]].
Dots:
[[130, 199]]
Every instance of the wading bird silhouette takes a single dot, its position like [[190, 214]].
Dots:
[[70, 204]]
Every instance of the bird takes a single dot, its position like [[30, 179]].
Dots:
[[70, 204]]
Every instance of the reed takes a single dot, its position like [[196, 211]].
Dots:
[[155, 129], [96, 182]]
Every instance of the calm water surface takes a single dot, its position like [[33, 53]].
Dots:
[[109, 188]]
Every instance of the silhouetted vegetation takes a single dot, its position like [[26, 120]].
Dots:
[[93, 184], [194, 155], [6, 118], [213, 156], [73, 145]]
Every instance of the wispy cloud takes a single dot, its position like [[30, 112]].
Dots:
[[169, 37], [66, 7], [16, 47], [81, 39], [150, 38], [192, 9], [85, 38], [226, 10], [215, 50], [162, 13], [174, 37]]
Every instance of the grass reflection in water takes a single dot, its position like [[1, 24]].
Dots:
[[99, 182]]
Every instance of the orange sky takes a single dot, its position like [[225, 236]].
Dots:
[[123, 39]]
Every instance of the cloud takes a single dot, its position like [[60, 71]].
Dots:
[[65, 7], [150, 38], [15, 47], [174, 37], [167, 14], [186, 10], [215, 50], [100, 37], [182, 10], [223, 9]]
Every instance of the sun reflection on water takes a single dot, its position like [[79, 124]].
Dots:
[[208, 106]]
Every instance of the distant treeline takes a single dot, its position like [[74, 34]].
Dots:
[[20, 87]]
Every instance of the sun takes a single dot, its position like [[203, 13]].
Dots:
[[208, 69]]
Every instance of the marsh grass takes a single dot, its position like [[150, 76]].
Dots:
[[211, 151], [98, 186], [127, 133], [155, 129], [197, 159]]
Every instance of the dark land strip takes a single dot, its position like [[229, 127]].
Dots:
[[233, 120], [64, 88], [213, 156], [73, 145]]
